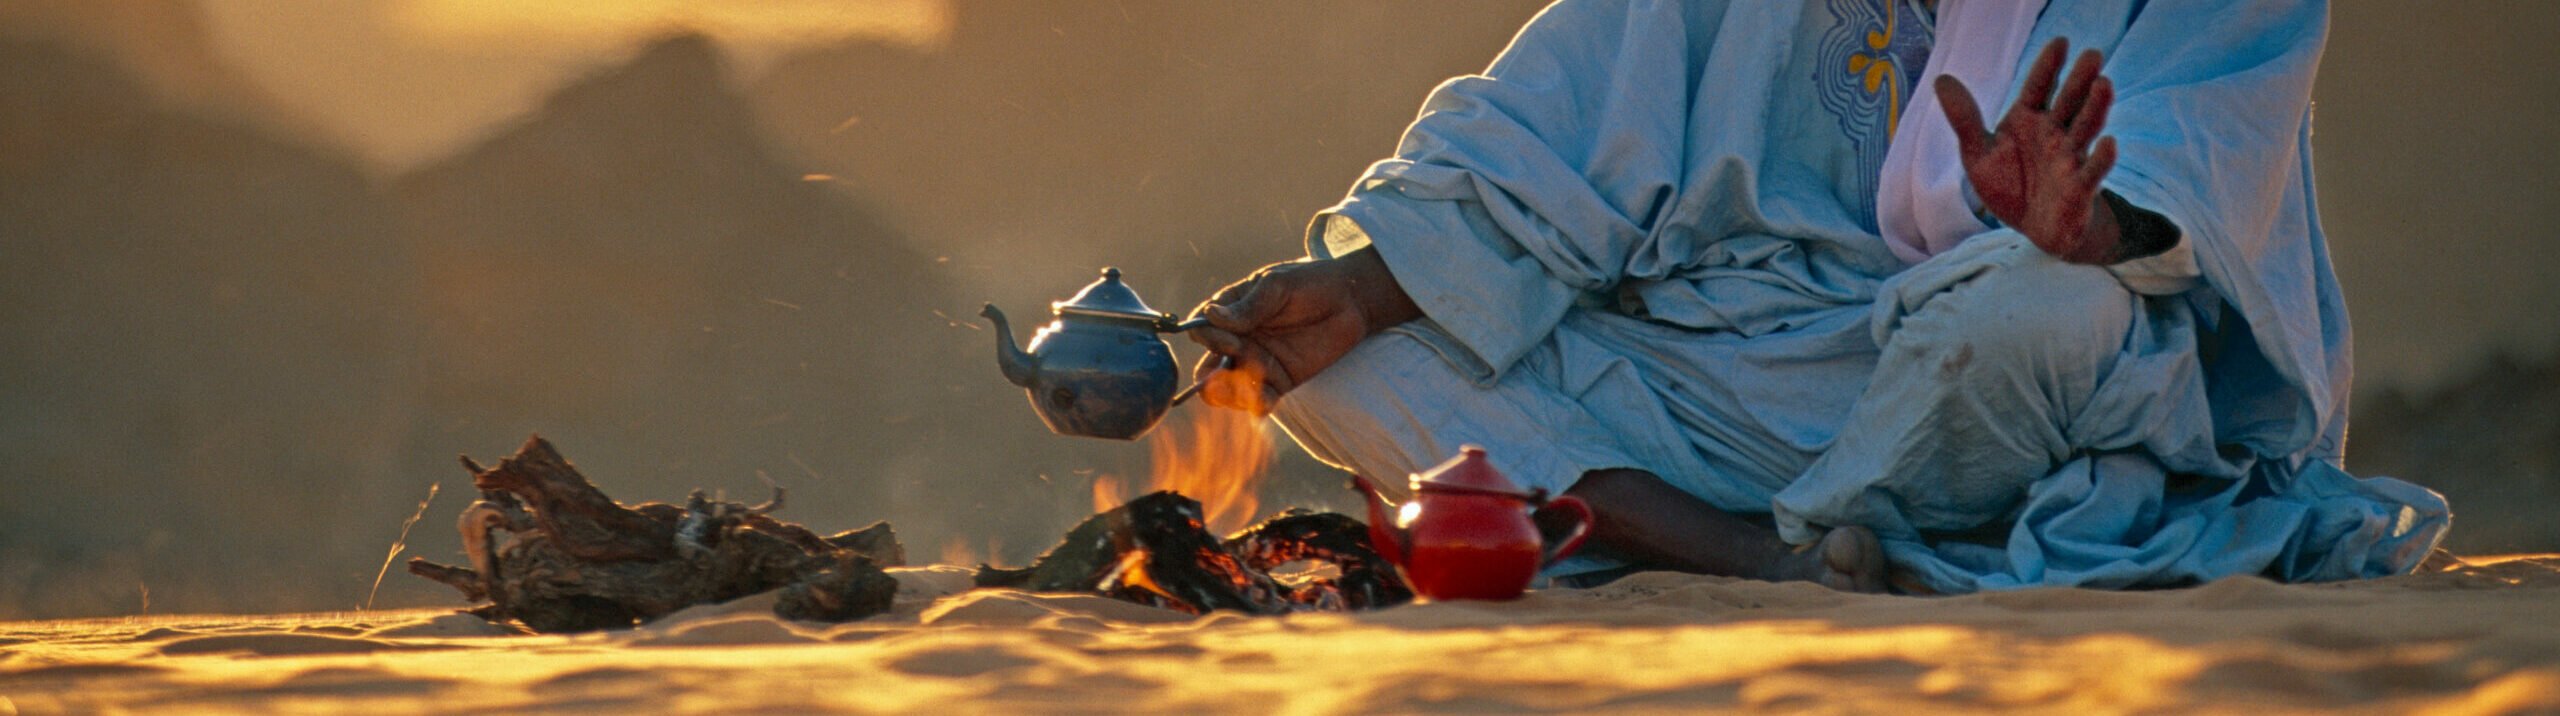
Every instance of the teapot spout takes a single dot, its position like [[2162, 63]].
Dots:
[[1384, 535], [1019, 366]]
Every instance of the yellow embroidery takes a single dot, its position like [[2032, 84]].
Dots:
[[1880, 67]]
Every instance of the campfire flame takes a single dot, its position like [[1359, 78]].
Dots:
[[1217, 456], [1133, 573], [961, 550], [1107, 494]]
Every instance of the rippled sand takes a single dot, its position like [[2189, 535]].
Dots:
[[2483, 638]]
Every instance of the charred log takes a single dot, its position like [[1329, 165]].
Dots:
[[1365, 579], [1155, 551], [581, 520], [853, 588], [579, 561], [876, 541]]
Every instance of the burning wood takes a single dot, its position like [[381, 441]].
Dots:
[[1219, 458], [580, 561], [1363, 579], [1154, 550], [1159, 550], [576, 560]]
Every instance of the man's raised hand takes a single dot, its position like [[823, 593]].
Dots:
[[2038, 173]]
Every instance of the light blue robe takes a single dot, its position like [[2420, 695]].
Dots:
[[1645, 237]]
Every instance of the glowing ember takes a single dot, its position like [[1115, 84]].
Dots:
[[1154, 550]]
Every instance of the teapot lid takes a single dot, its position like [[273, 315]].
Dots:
[[1108, 298], [1471, 472]]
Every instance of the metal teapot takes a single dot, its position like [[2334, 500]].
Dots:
[[1098, 370], [1467, 533]]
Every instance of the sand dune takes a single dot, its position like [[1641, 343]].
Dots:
[[2480, 638]]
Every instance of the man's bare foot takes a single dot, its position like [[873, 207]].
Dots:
[[1848, 559], [1651, 523]]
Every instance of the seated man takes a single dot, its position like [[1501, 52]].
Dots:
[[1718, 268]]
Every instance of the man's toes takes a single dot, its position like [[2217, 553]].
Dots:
[[1853, 560]]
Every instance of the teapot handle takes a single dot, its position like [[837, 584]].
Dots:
[[1572, 540]]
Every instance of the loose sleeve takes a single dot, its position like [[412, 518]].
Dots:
[[1517, 191], [2212, 125], [2162, 263]]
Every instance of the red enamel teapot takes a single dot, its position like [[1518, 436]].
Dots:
[[1467, 532]]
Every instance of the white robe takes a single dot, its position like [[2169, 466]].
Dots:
[[1646, 237]]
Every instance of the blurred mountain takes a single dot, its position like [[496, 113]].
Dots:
[[200, 348], [631, 272], [1186, 142], [163, 46], [2489, 441], [231, 365]]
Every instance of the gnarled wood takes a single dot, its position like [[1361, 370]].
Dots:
[[580, 561]]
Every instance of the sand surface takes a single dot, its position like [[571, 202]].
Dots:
[[2481, 638]]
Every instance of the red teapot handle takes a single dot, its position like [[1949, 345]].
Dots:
[[1572, 540]]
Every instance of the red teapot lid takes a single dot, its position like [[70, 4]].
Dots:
[[1469, 472]]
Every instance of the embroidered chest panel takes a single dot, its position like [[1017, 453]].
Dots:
[[1870, 59]]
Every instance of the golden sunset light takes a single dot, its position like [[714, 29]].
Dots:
[[1431, 356], [752, 22]]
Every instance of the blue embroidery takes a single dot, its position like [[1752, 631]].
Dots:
[[1870, 59]]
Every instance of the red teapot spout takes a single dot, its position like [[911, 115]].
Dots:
[[1384, 535]]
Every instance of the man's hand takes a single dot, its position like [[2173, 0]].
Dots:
[[1291, 320], [2038, 173]]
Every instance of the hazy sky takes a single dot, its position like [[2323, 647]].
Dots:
[[2435, 151], [404, 81]]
